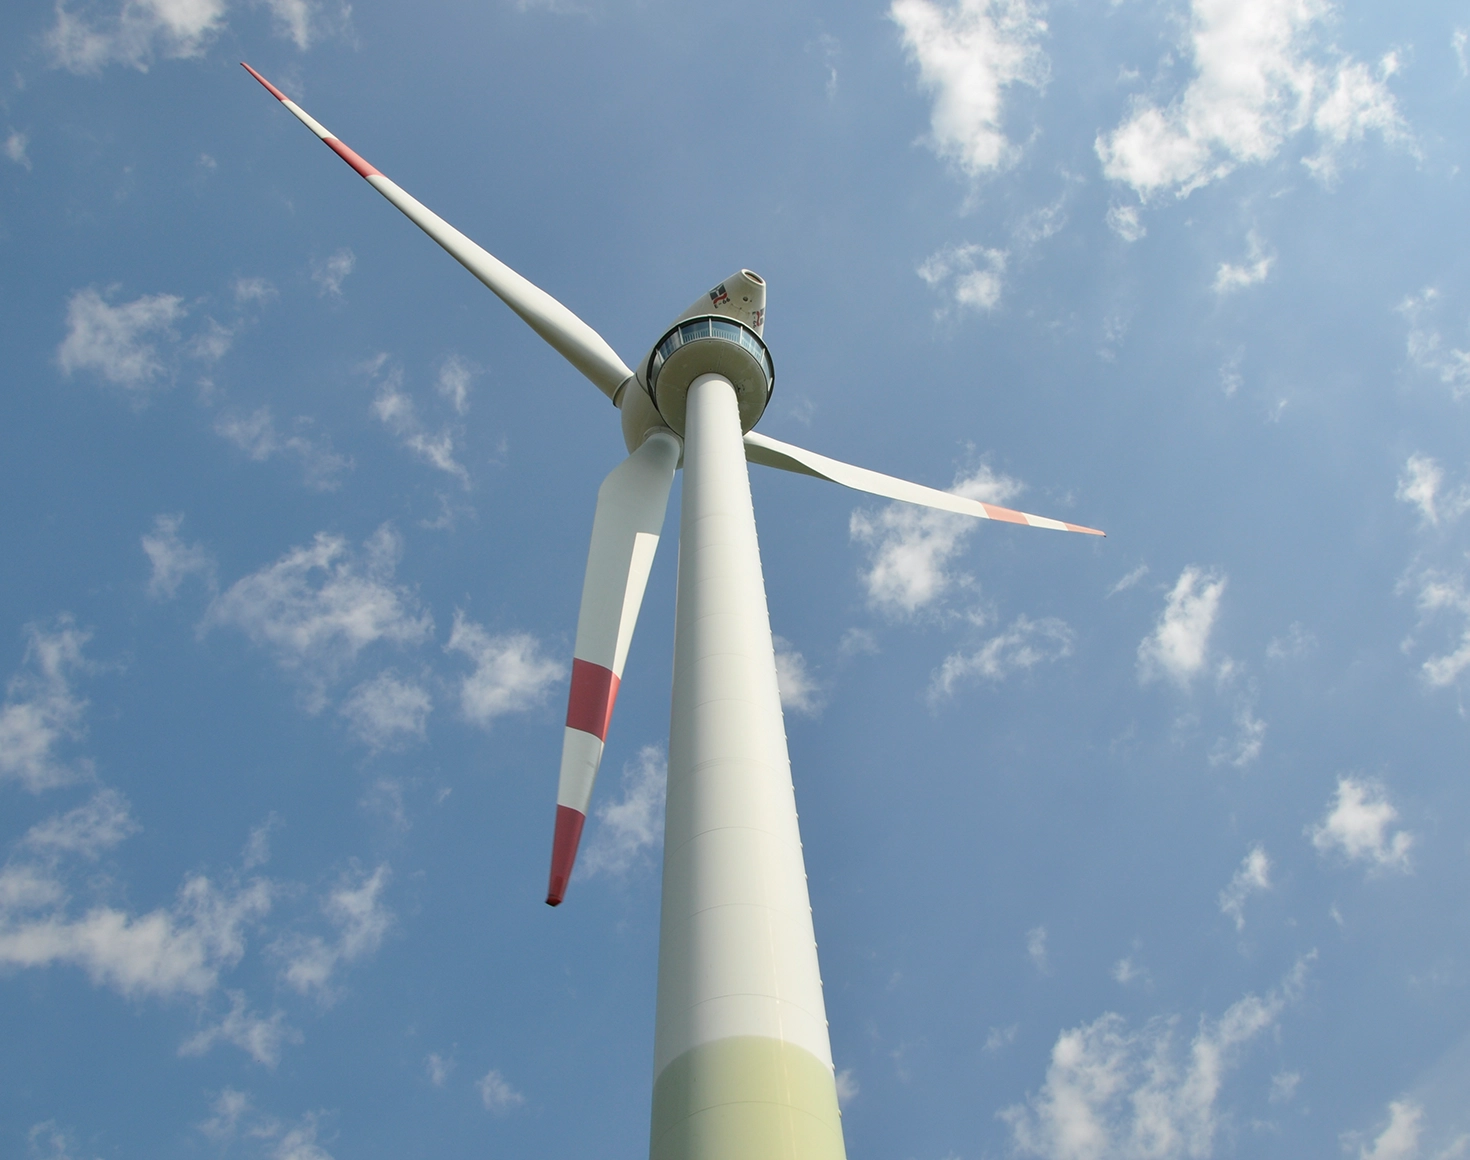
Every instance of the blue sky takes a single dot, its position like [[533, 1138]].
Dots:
[[1147, 847]]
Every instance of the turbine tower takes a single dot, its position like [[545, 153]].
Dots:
[[742, 1061]]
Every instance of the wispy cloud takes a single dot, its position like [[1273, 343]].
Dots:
[[968, 53], [16, 144], [174, 561], [1127, 222], [1252, 272], [395, 408], [800, 691], [317, 607], [133, 35], [1422, 485], [455, 377], [910, 549], [497, 1095], [41, 709], [1357, 824], [1129, 580], [1178, 647], [1427, 348], [1021, 647], [162, 954], [118, 343], [387, 712], [630, 829], [1036, 949], [87, 831], [510, 673], [329, 273], [1111, 1091], [439, 1068], [256, 435], [969, 277], [260, 1038], [1259, 79], [1253, 877], [1441, 592], [355, 907]]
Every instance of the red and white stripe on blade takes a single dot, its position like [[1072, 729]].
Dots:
[[625, 532], [567, 334], [785, 456]]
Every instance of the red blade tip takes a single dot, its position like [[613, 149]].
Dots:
[[275, 92]]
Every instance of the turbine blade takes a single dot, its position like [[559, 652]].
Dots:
[[567, 334], [625, 531], [773, 453]]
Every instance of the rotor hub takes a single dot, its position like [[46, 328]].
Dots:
[[712, 344]]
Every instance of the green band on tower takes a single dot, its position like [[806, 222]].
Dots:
[[746, 1098]]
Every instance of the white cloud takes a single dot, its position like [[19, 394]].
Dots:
[[1253, 876], [630, 830], [261, 1039], [497, 1095], [1427, 349], [1126, 222], [969, 275], [173, 560], [318, 607], [1000, 1037], [386, 711], [800, 692], [1422, 484], [1439, 592], [256, 435], [251, 290], [164, 953], [847, 1087], [15, 148], [1284, 1085], [1259, 79], [1457, 42], [510, 674], [134, 34], [49, 1141], [40, 708], [1112, 1093], [1125, 971], [299, 1143], [439, 1068], [1297, 642], [1129, 580], [910, 548], [1179, 644], [229, 1107], [967, 53], [115, 341], [1250, 737], [355, 907], [1258, 263], [454, 383], [330, 273], [257, 850], [1021, 647], [293, 20], [396, 410], [1356, 826], [1399, 1139], [97, 825], [1036, 948]]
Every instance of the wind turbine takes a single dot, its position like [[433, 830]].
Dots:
[[742, 1061]]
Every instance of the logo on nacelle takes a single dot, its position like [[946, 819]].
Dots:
[[717, 296]]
